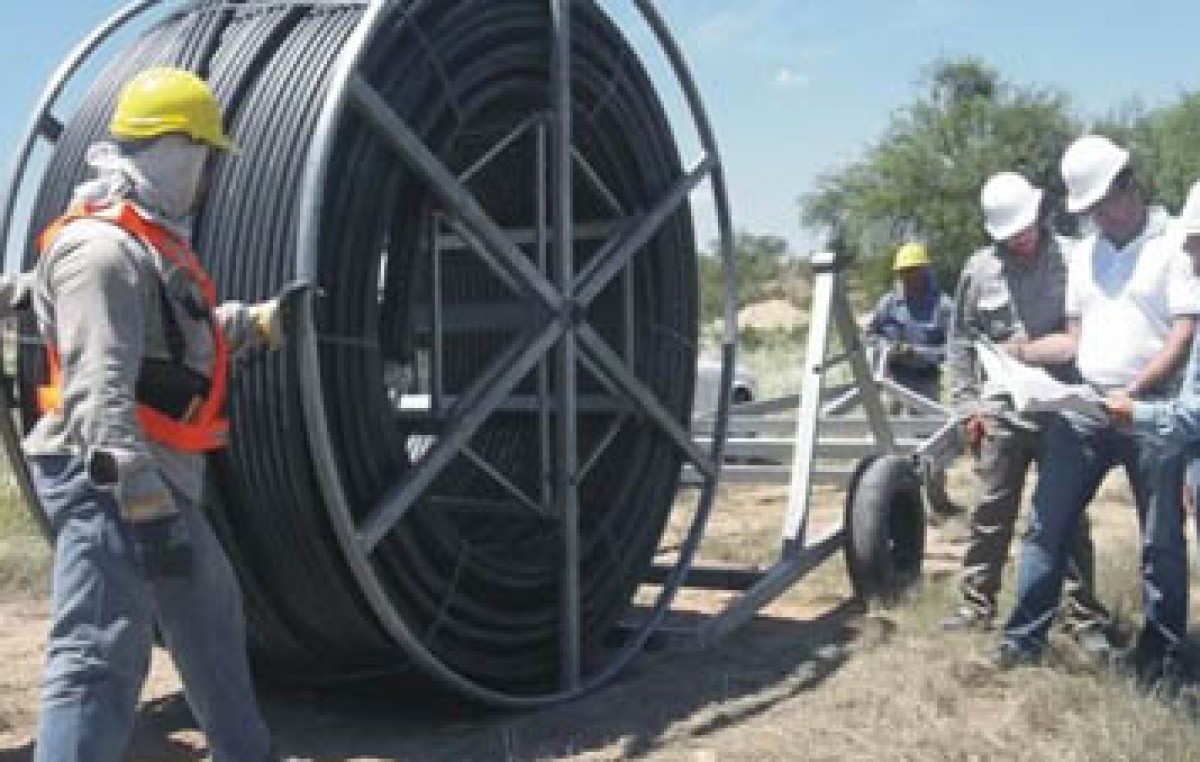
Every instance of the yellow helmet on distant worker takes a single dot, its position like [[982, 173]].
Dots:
[[910, 255], [163, 100]]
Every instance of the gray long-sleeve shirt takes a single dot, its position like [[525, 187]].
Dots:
[[1002, 297], [97, 298]]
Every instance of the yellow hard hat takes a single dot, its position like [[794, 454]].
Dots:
[[910, 255], [163, 100]]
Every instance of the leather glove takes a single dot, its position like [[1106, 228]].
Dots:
[[162, 548], [161, 545], [271, 316]]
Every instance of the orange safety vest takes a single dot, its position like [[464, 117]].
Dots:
[[205, 427]]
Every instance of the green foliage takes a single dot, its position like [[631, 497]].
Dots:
[[762, 264], [1174, 136], [1165, 145], [921, 180], [712, 288]]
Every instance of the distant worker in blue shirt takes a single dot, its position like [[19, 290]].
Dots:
[[912, 322]]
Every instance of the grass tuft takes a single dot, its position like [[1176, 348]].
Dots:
[[24, 553]]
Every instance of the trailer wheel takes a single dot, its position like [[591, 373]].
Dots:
[[885, 527]]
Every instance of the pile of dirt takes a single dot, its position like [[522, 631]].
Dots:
[[772, 314]]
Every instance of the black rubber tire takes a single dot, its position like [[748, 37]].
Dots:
[[885, 527]]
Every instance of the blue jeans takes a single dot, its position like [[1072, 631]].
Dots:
[[1076, 457], [102, 630]]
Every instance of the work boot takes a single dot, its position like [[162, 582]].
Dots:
[[1095, 645], [1162, 673], [1008, 656], [1170, 675], [967, 618]]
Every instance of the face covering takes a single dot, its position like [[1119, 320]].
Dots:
[[165, 176]]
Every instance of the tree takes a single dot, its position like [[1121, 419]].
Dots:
[[1174, 136], [761, 261], [1165, 145], [922, 179]]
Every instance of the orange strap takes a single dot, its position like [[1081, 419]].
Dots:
[[204, 429]]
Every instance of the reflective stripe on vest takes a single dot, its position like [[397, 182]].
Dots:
[[204, 428]]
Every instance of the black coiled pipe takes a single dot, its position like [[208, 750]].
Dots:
[[475, 575]]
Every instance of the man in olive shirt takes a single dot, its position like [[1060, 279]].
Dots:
[[1009, 293]]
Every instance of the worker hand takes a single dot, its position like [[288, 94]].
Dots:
[[1014, 348], [974, 429], [1188, 500], [271, 316], [1119, 406], [161, 546]]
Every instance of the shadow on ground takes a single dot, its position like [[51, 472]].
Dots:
[[670, 691], [670, 694]]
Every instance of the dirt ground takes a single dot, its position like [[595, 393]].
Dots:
[[784, 687]]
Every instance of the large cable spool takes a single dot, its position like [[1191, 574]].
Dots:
[[464, 459]]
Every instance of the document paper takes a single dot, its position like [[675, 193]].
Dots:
[[1034, 390]]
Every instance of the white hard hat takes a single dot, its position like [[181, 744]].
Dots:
[[1089, 166], [1189, 218], [1010, 204]]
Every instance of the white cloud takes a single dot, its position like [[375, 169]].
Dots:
[[788, 78], [734, 27], [760, 28]]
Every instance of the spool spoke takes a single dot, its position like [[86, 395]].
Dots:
[[567, 440], [608, 362], [488, 391], [602, 270], [502, 481], [458, 200]]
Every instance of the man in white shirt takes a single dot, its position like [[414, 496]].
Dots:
[[1131, 306]]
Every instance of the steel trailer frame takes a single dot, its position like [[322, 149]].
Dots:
[[821, 432]]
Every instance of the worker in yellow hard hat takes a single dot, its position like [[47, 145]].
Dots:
[[908, 332], [914, 318], [138, 350], [162, 100]]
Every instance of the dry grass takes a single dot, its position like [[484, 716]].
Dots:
[[903, 690], [24, 552], [813, 678], [920, 695]]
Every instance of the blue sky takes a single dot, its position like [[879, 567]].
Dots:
[[798, 87]]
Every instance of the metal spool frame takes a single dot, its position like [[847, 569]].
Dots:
[[565, 343]]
